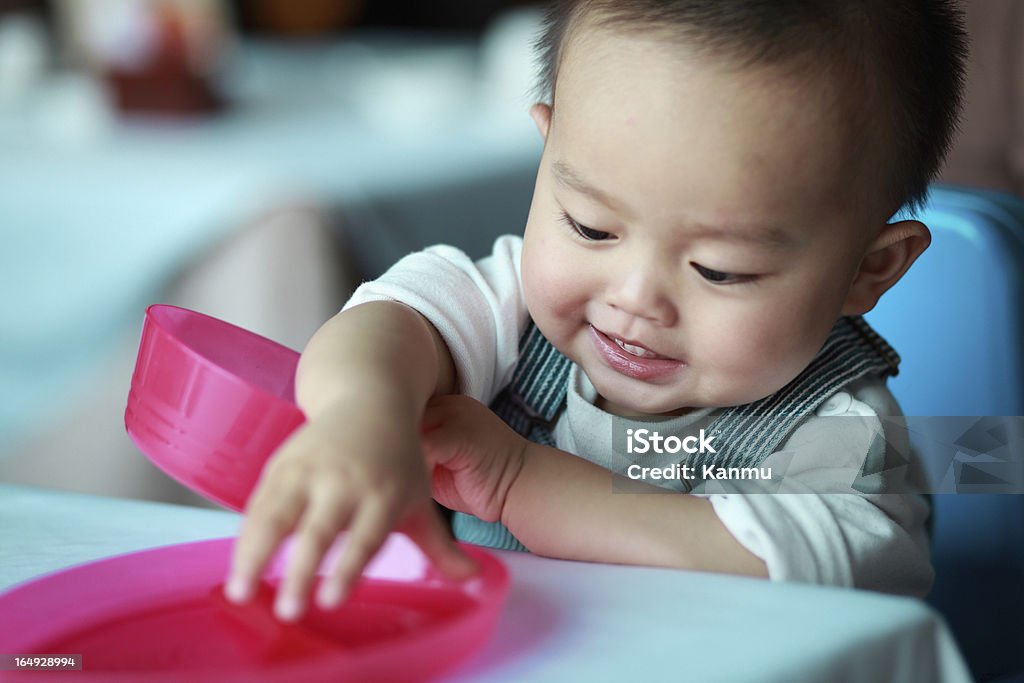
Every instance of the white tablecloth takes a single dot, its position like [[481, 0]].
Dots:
[[567, 621]]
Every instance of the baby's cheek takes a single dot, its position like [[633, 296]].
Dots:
[[786, 354], [547, 282], [760, 358], [534, 281], [537, 289]]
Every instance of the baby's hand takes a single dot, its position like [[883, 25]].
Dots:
[[475, 456], [355, 469]]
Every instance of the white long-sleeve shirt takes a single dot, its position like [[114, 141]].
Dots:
[[875, 540]]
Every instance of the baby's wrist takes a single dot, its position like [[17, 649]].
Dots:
[[514, 479]]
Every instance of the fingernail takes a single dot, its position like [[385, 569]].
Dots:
[[472, 566], [458, 568], [329, 595], [237, 589], [467, 563], [287, 608]]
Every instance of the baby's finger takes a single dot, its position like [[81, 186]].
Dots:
[[369, 529], [324, 517], [430, 533], [271, 514]]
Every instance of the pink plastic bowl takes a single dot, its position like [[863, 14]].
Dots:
[[210, 402], [158, 615]]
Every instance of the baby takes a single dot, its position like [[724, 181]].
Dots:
[[710, 219]]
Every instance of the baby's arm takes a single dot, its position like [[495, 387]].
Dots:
[[651, 528], [363, 382], [560, 505]]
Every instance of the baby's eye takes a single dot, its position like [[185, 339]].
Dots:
[[583, 231], [718, 277]]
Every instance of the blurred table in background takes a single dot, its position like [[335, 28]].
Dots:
[[333, 161]]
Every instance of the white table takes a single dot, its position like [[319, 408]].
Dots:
[[567, 620]]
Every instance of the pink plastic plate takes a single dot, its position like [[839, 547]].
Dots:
[[158, 615], [210, 402]]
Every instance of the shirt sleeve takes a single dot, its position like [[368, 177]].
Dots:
[[476, 306], [833, 521]]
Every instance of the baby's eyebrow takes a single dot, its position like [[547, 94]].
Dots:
[[763, 236], [565, 174]]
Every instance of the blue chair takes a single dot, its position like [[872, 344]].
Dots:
[[957, 319]]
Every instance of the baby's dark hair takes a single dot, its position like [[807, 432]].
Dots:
[[910, 54]]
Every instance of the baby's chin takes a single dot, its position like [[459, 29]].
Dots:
[[636, 402], [626, 405]]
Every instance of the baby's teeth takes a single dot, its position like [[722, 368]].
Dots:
[[635, 350]]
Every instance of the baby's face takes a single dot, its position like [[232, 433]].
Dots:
[[694, 230]]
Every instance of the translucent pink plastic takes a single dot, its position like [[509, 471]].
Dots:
[[159, 615], [210, 402]]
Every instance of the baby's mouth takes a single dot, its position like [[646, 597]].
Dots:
[[631, 359], [636, 349], [632, 347]]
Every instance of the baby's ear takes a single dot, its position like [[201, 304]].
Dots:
[[888, 257], [541, 115]]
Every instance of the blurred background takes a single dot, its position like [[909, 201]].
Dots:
[[251, 159], [256, 159]]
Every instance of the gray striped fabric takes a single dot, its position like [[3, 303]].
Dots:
[[749, 433], [530, 404], [745, 435]]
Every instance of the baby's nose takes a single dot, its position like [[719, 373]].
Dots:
[[643, 292]]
